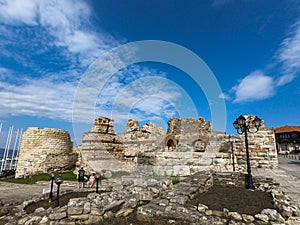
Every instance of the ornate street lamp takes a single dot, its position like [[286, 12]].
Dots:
[[97, 182], [241, 126], [52, 175], [59, 180]]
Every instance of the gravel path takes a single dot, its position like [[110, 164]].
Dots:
[[17, 193]]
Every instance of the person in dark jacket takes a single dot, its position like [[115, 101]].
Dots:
[[80, 177]]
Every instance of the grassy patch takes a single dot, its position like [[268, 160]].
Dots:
[[40, 177], [175, 180]]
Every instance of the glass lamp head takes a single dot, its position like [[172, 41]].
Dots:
[[257, 122], [241, 120]]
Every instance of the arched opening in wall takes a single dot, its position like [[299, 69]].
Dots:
[[170, 143], [199, 145]]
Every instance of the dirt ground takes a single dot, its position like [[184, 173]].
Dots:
[[235, 199]]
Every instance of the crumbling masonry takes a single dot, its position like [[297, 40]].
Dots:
[[190, 145]]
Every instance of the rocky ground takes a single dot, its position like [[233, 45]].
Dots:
[[157, 201]]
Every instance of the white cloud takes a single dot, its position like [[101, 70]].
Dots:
[[42, 37], [285, 79], [61, 24], [37, 97], [255, 86], [289, 56], [14, 11]]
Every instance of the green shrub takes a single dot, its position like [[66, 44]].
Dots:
[[175, 180]]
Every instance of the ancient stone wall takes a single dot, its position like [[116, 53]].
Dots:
[[138, 140], [189, 146], [262, 149], [261, 145], [42, 151], [190, 133], [101, 148]]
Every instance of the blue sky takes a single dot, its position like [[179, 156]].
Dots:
[[251, 47]]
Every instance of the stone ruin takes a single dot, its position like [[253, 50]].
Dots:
[[190, 145], [43, 151], [158, 201]]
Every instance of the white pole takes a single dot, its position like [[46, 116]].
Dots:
[[5, 150], [14, 149], [0, 127], [8, 146], [18, 149]]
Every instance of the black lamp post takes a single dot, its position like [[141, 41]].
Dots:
[[241, 125], [59, 180], [97, 182], [52, 175]]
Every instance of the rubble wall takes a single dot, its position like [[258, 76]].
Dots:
[[262, 149]]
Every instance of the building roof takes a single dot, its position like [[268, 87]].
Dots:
[[287, 129]]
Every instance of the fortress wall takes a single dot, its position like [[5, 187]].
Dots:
[[262, 149], [42, 151]]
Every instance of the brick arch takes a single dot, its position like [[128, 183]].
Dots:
[[170, 142]]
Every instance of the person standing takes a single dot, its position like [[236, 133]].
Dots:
[[80, 177]]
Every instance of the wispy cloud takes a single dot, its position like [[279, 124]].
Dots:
[[255, 86], [63, 26], [49, 45], [258, 86], [145, 95], [37, 97], [289, 56]]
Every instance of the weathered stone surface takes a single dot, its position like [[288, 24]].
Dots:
[[235, 216], [23, 220], [132, 126], [167, 205], [113, 205], [101, 148], [202, 208], [262, 217], [273, 215], [248, 218], [87, 208], [124, 212], [57, 215], [284, 210], [45, 150], [93, 219], [81, 217], [145, 195], [44, 221]]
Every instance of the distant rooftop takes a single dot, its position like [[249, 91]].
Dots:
[[287, 129]]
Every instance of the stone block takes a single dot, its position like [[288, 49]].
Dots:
[[75, 210], [57, 215]]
